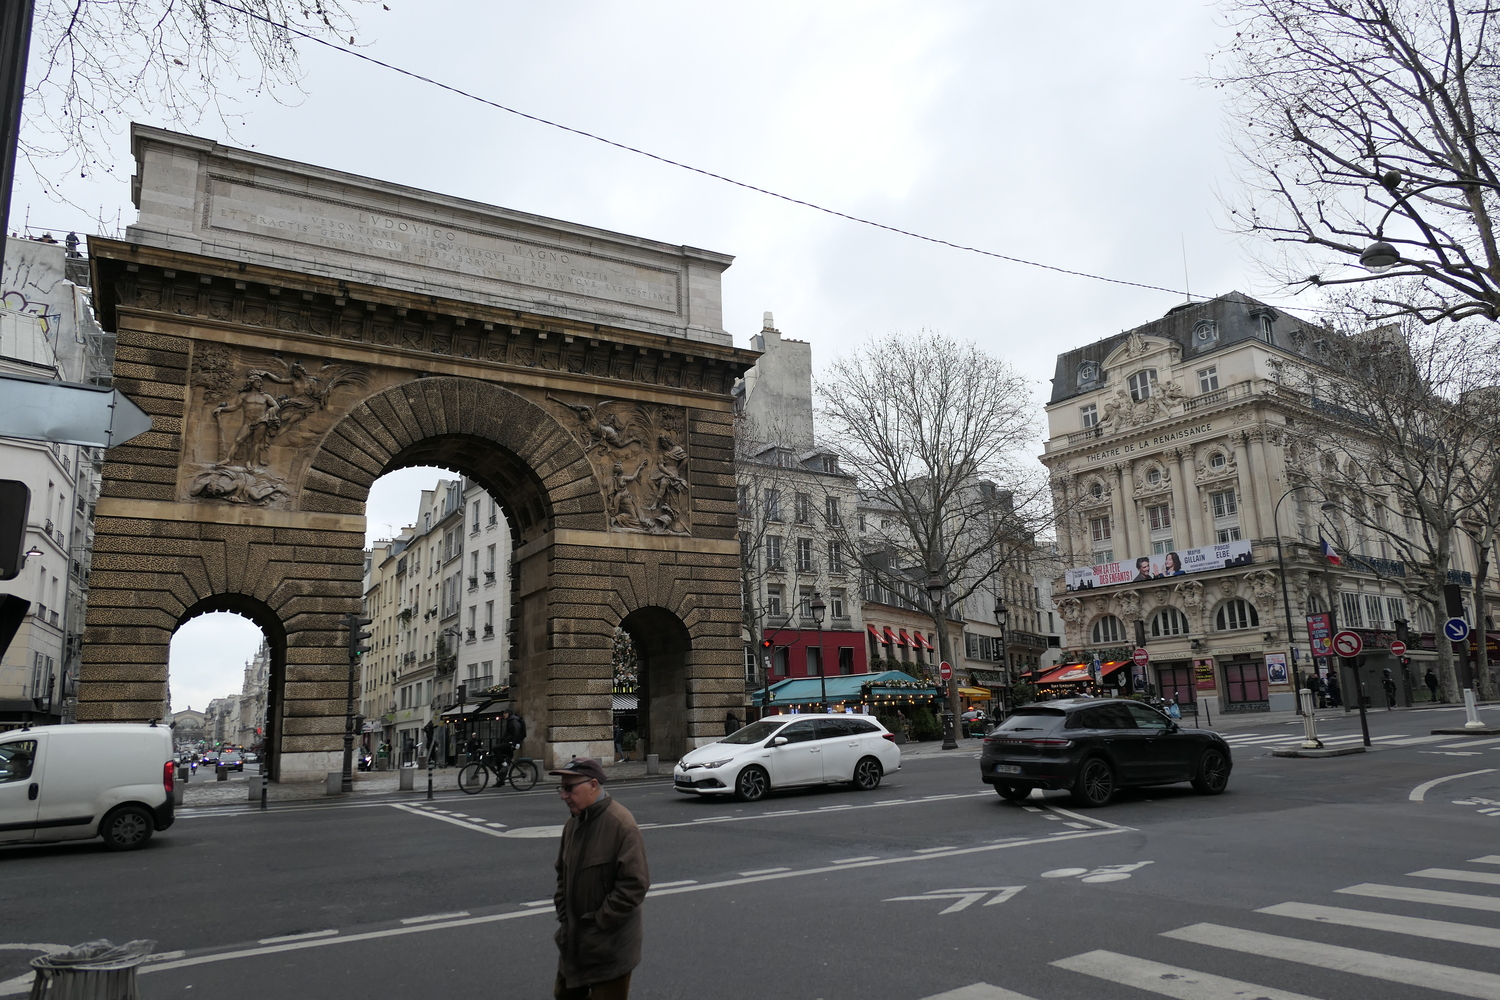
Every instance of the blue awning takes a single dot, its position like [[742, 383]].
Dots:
[[845, 687]]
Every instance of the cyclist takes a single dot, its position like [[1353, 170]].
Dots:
[[512, 735]]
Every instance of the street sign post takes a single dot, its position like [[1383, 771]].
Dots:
[[945, 670], [1140, 656], [1456, 629], [40, 409], [1348, 644], [1398, 648]]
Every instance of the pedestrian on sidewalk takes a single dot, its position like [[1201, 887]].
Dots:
[[602, 879], [1431, 680], [619, 742], [1389, 683], [1335, 697], [731, 723]]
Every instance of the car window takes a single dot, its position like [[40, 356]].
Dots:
[[1102, 717], [829, 729], [1146, 718], [861, 726], [16, 760], [800, 732], [1033, 720], [754, 733]]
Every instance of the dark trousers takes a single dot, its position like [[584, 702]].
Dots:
[[611, 989]]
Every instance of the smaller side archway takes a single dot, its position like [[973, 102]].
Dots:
[[662, 646]]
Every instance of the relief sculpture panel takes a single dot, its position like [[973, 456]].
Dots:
[[637, 452], [251, 419]]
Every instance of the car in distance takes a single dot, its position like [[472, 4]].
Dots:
[[785, 751], [231, 761], [1093, 747]]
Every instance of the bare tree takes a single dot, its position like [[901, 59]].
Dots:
[[939, 434], [1481, 491], [1390, 432], [1366, 122], [95, 64]]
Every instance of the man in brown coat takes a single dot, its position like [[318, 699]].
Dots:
[[601, 882]]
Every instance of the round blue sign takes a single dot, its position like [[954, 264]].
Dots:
[[1456, 629]]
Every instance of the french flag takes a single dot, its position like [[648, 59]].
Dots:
[[1329, 553]]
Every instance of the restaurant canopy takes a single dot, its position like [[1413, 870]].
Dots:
[[845, 687], [1077, 673]]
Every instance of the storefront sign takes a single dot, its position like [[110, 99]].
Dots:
[[1276, 668], [1320, 634], [1203, 675], [1221, 555]]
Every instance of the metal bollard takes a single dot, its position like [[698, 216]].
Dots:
[[431, 766], [1471, 710], [221, 772], [653, 763], [1310, 739]]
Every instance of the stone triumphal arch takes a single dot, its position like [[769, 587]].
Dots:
[[298, 332]]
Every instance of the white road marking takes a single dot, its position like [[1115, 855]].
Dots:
[[965, 897], [539, 902], [1437, 930], [978, 991], [930, 850], [1417, 741], [1488, 859], [1458, 875], [444, 818], [763, 871], [1409, 971], [1419, 793], [1472, 743], [164, 956], [1032, 809], [850, 861], [435, 916], [819, 811], [1168, 980], [669, 885], [1085, 819], [1436, 897], [296, 937], [1078, 826]]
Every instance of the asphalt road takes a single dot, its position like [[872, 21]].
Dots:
[[1350, 877]]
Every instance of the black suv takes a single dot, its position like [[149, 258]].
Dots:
[[1092, 747]]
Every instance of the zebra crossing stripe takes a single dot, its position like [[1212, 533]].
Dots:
[[1406, 894], [1417, 741], [1168, 980], [1488, 859], [1437, 930], [1409, 971], [1458, 875], [978, 991]]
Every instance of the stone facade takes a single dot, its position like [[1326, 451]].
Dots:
[[280, 390]]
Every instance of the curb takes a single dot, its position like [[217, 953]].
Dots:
[[1325, 752], [1460, 731]]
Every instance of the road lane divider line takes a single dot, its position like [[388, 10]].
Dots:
[[1419, 794], [763, 871], [435, 916], [1488, 859], [670, 885], [297, 937], [1471, 743], [1435, 897], [850, 861], [1168, 980], [1371, 964], [1080, 817], [819, 811], [1458, 875], [427, 814], [1437, 930], [540, 902]]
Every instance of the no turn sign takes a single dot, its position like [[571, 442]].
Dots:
[[1348, 644]]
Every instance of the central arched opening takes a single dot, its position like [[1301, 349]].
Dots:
[[662, 645]]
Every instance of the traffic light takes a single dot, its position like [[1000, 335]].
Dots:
[[1403, 633], [765, 644], [357, 635]]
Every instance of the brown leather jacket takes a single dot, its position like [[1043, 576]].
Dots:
[[602, 880]]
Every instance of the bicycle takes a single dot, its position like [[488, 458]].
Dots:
[[521, 771]]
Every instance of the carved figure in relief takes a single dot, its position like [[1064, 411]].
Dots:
[[1190, 593], [667, 480], [1071, 609], [623, 510], [598, 425], [310, 392], [261, 417]]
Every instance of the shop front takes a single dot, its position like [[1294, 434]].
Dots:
[[1246, 688], [1072, 680], [1175, 682]]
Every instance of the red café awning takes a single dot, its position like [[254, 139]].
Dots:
[[1077, 673], [875, 632], [920, 641], [907, 640], [890, 638]]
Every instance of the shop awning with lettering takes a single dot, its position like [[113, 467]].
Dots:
[[875, 634]]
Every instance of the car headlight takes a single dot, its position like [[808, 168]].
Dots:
[[708, 764]]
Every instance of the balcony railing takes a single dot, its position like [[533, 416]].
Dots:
[[1218, 396]]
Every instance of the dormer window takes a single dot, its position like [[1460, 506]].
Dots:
[[1088, 372], [1264, 320], [1205, 333], [1141, 384]]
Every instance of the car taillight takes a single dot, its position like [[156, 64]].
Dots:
[[1048, 743], [889, 736], [169, 775]]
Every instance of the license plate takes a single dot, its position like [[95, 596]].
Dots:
[[1007, 769]]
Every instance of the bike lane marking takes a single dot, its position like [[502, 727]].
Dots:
[[1419, 794], [674, 889], [431, 814]]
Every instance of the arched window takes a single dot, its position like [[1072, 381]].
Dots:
[[1234, 614], [1169, 621], [1108, 629]]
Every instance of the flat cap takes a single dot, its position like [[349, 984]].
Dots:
[[583, 767]]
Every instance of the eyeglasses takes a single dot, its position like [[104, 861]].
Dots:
[[567, 789]]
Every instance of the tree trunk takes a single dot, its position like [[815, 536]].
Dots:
[[1483, 683]]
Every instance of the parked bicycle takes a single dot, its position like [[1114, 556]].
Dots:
[[522, 773]]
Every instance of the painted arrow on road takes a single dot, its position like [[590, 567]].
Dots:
[[965, 898]]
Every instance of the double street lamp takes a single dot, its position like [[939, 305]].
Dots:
[[817, 608]]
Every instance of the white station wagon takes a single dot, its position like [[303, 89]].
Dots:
[[783, 751]]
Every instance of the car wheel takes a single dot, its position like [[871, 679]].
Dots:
[[752, 784], [1096, 783], [127, 828], [867, 775], [1013, 793], [1212, 776]]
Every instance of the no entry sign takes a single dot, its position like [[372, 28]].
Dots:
[[945, 670], [1348, 644], [1398, 648], [1140, 656]]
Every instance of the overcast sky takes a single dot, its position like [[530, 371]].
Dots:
[[1073, 134]]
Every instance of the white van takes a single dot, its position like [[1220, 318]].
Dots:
[[75, 782]]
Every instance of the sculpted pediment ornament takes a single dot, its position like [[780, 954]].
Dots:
[[636, 450], [1190, 594], [1216, 462]]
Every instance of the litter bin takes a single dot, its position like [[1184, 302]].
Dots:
[[97, 970]]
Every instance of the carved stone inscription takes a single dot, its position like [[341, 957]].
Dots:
[[251, 419], [637, 452], [262, 211]]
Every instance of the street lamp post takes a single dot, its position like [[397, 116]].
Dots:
[[1002, 616], [817, 607], [936, 587], [1286, 601]]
